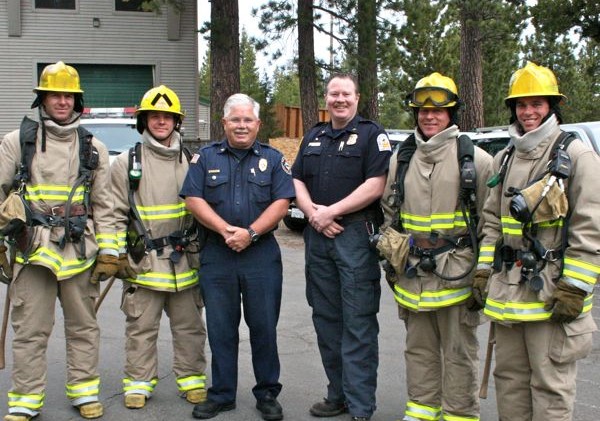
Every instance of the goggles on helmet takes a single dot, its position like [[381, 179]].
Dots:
[[439, 97]]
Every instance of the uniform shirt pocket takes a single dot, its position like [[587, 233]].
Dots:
[[311, 157], [260, 188], [346, 163], [216, 189]]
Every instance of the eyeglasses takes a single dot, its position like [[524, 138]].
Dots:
[[436, 96]]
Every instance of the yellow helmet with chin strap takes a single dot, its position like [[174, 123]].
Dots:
[[59, 77], [533, 80], [433, 91], [160, 98]]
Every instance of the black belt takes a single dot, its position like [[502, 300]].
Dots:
[[362, 215], [425, 246]]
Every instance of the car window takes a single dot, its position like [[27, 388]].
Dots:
[[117, 137]]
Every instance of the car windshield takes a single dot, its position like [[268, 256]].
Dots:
[[116, 137]]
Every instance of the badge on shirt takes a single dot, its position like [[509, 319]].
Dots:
[[262, 164], [383, 143], [352, 139], [314, 144], [286, 166], [194, 158]]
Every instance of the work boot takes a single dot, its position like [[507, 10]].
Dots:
[[269, 408], [328, 408], [17, 416], [135, 400], [210, 409], [196, 395], [91, 410]]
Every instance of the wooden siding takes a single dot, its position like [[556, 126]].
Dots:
[[289, 119], [122, 38]]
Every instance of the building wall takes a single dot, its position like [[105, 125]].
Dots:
[[47, 36]]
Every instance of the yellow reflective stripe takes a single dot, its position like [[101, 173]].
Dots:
[[423, 412], [39, 192], [191, 382], [83, 389], [524, 312], [167, 280], [486, 254], [129, 385], [33, 401], [588, 303], [107, 241], [435, 221], [583, 271], [510, 226], [430, 299], [62, 268], [175, 211], [449, 417]]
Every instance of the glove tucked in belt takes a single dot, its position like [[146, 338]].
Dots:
[[125, 270], [107, 265], [477, 299], [566, 302]]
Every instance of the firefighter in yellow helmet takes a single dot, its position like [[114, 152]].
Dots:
[[64, 246], [159, 257], [543, 265], [432, 289]]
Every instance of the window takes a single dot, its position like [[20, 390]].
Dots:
[[55, 4], [130, 5]]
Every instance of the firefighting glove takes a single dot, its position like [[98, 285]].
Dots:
[[477, 299], [5, 269], [107, 265], [125, 270], [566, 302]]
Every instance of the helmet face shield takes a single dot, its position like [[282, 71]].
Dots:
[[434, 96]]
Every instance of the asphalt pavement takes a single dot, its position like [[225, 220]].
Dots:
[[302, 374]]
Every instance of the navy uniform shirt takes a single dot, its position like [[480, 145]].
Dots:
[[238, 184], [333, 163]]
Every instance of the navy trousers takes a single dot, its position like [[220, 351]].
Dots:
[[230, 281], [343, 288]]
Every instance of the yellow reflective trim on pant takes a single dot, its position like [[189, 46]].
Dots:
[[486, 254], [167, 281], [54, 261], [450, 417], [38, 192], [191, 382], [130, 385], [430, 299], [437, 221], [90, 388], [32, 401], [173, 211], [423, 412], [582, 271], [107, 241]]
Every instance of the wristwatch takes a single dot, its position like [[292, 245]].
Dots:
[[254, 236]]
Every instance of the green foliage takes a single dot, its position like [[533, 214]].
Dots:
[[204, 77]]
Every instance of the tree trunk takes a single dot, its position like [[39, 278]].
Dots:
[[225, 60], [306, 65], [471, 69], [366, 25]]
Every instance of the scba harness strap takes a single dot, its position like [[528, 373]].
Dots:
[[467, 199], [139, 240], [72, 219]]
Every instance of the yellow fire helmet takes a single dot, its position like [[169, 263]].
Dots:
[[433, 91], [161, 98], [533, 80], [59, 77]]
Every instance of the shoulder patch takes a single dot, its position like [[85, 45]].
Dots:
[[383, 142], [194, 158], [285, 165]]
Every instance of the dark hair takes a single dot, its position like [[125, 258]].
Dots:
[[350, 76]]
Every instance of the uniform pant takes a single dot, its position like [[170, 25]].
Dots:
[[33, 295], [343, 288], [251, 280], [143, 308], [531, 385], [442, 364]]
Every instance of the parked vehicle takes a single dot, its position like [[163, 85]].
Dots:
[[115, 127]]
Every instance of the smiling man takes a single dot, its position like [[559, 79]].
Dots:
[[240, 189], [339, 175], [433, 293]]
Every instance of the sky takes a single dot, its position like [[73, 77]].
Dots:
[[287, 44]]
